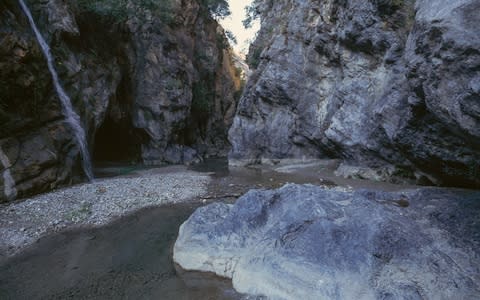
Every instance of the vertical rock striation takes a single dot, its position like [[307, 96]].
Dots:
[[376, 83]]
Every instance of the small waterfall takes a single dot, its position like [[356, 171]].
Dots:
[[70, 115]]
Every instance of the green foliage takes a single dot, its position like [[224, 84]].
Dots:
[[115, 9], [252, 13], [202, 98], [203, 95], [253, 59], [120, 10], [231, 37], [219, 9], [238, 93], [238, 72], [222, 42]]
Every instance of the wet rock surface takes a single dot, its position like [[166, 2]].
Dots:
[[380, 84], [304, 241]]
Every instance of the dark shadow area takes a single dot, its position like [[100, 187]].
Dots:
[[106, 44], [129, 259], [119, 141]]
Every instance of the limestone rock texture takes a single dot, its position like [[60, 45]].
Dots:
[[377, 83], [308, 242], [152, 87]]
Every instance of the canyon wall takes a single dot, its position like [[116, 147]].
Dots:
[[153, 85], [393, 85]]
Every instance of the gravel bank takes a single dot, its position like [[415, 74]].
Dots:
[[94, 204]]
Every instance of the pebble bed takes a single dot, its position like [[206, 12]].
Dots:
[[94, 204]]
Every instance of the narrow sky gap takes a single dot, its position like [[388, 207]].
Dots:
[[234, 24]]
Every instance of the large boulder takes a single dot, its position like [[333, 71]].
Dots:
[[307, 242], [376, 83]]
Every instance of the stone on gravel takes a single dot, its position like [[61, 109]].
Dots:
[[307, 242]]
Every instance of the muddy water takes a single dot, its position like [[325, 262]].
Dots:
[[132, 258]]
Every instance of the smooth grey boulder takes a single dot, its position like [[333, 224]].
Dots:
[[307, 242]]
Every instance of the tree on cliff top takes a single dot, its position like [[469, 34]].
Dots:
[[122, 9], [252, 12], [219, 9]]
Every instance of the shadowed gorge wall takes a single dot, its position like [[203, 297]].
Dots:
[[131, 78]]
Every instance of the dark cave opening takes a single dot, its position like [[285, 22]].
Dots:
[[118, 141]]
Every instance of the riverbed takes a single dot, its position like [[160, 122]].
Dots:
[[129, 255]]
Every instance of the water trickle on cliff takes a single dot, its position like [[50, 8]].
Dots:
[[70, 115]]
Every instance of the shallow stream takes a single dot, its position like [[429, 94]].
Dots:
[[132, 257]]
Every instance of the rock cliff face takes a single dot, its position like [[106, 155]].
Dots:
[[153, 87], [384, 84]]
